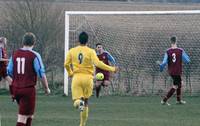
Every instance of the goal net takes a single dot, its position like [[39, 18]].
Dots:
[[137, 40]]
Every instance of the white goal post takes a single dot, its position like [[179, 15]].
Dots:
[[71, 13]]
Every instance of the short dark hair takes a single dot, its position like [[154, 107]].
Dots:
[[29, 39], [83, 37], [173, 39], [98, 44]]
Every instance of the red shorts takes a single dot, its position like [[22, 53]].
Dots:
[[25, 98]]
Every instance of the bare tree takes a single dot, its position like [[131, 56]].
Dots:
[[46, 22], [41, 18]]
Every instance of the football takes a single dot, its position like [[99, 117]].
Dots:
[[99, 76]]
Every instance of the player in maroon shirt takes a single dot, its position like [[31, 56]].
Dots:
[[4, 60], [174, 57], [24, 67], [107, 58]]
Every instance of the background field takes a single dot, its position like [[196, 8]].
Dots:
[[108, 111]]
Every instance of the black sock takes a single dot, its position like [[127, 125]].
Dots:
[[98, 89], [169, 94], [20, 124]]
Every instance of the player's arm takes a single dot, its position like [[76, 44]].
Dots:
[[67, 64], [185, 57], [1, 54], [164, 62], [111, 58], [40, 70], [3, 59], [100, 64], [10, 67], [9, 70]]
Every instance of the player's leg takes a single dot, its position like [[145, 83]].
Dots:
[[88, 88], [178, 91], [21, 119], [26, 106], [170, 92], [98, 88], [79, 103], [8, 79], [3, 73], [179, 98], [84, 113], [106, 82], [31, 108], [77, 92], [106, 87]]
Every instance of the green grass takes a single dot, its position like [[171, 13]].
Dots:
[[108, 111]]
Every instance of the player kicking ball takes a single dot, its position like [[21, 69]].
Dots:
[[174, 57], [107, 58], [24, 67], [81, 59]]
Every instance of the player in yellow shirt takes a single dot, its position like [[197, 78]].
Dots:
[[79, 64]]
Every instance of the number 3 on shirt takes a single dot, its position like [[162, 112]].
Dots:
[[173, 57], [80, 58], [20, 65]]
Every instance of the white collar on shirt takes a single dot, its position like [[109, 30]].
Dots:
[[27, 48]]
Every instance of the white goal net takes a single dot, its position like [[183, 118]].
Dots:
[[137, 39]]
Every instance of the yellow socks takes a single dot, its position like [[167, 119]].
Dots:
[[84, 116]]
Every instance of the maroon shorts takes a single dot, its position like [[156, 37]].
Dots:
[[176, 79], [25, 98], [106, 76], [3, 72]]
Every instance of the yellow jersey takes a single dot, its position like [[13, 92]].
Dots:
[[82, 59]]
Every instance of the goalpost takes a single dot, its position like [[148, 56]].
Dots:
[[128, 34]]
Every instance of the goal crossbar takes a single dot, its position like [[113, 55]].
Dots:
[[132, 12]]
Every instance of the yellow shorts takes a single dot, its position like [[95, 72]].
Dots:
[[82, 86]]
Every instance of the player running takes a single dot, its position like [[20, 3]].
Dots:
[[24, 67], [174, 57], [79, 65], [107, 58]]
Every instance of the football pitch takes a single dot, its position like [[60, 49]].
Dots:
[[107, 111]]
